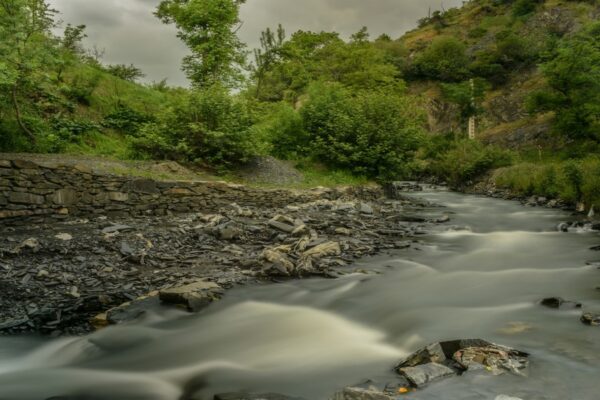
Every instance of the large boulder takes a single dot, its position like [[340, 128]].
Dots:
[[445, 359]]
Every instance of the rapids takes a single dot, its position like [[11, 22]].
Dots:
[[480, 277]]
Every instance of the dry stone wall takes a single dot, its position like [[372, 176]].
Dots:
[[28, 189]]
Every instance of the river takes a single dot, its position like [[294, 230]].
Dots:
[[480, 277]]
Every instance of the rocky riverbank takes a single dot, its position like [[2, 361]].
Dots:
[[62, 276]]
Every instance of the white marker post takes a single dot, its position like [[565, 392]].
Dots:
[[472, 119]]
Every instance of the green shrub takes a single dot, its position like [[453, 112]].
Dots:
[[372, 134], [284, 130], [465, 160], [445, 59], [208, 125], [572, 181], [82, 86], [125, 119]]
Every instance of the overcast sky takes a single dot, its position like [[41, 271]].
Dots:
[[129, 33]]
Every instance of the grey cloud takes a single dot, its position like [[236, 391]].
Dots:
[[129, 32]]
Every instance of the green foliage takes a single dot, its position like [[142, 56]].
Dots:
[[285, 69], [572, 181], [573, 91], [459, 162], [72, 38], [208, 28], [125, 119], [26, 50], [467, 95], [445, 59], [525, 7], [206, 125], [372, 134], [284, 129], [509, 53], [81, 87], [129, 73]]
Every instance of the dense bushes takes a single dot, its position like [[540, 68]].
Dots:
[[208, 125], [445, 59], [369, 133], [459, 162], [573, 90], [573, 181]]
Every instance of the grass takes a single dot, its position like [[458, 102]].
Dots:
[[107, 144], [572, 180]]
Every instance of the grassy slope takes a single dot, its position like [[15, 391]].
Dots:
[[107, 95]]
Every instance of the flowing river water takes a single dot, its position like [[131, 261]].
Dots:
[[481, 279]]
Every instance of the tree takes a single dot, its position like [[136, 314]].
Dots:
[[71, 49], [24, 49], [129, 72], [573, 91], [72, 38], [208, 28], [371, 133], [445, 59], [268, 54]]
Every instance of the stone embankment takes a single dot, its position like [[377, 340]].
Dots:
[[80, 249], [29, 189]]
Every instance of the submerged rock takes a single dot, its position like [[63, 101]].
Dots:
[[559, 302], [592, 319], [445, 359]]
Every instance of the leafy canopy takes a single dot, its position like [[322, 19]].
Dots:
[[208, 28]]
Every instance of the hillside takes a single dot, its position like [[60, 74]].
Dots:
[[513, 45], [80, 112]]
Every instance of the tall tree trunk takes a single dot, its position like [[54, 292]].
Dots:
[[22, 125]]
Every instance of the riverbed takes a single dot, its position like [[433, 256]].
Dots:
[[480, 276]]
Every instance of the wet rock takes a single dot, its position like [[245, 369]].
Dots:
[[559, 302], [563, 227], [194, 296], [248, 396], [423, 374], [132, 310], [591, 319], [444, 359]]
